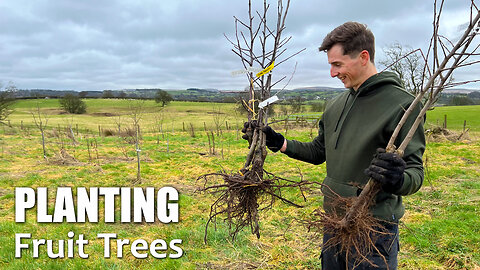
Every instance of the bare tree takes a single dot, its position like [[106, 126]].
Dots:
[[252, 47], [407, 63], [218, 118], [136, 108], [41, 121], [159, 120], [7, 99], [70, 132], [258, 45], [118, 122], [297, 104]]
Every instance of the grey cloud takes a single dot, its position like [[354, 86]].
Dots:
[[114, 44]]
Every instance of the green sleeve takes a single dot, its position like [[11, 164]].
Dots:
[[311, 152]]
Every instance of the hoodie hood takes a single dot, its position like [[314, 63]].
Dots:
[[376, 81], [369, 87]]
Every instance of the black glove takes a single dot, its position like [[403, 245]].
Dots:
[[387, 168], [273, 140], [248, 128]]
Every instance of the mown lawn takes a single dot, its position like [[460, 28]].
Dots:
[[441, 228]]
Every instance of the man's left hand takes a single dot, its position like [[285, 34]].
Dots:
[[387, 168]]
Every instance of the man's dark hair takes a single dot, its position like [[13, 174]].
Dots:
[[354, 38]]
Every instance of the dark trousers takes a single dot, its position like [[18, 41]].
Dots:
[[387, 244]]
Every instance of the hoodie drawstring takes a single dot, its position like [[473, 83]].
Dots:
[[340, 117], [346, 115]]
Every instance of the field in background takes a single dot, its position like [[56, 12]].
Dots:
[[456, 116], [441, 229], [179, 113]]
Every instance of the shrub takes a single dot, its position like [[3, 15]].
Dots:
[[73, 104], [317, 106], [460, 101]]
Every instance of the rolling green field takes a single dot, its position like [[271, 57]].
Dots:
[[456, 115], [441, 228]]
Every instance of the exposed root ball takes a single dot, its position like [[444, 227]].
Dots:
[[242, 196], [357, 239]]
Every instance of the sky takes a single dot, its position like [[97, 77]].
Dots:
[[130, 44]]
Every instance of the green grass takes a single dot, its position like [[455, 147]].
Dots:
[[441, 228], [174, 117], [456, 115]]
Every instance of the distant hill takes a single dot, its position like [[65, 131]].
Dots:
[[198, 94], [460, 91], [190, 94], [312, 93], [319, 88]]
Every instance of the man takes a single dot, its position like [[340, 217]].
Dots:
[[355, 126]]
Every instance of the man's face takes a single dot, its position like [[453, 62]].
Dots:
[[344, 67]]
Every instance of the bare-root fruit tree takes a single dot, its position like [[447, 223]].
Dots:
[[41, 120], [259, 44], [137, 108]]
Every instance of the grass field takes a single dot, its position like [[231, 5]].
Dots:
[[441, 228], [456, 116]]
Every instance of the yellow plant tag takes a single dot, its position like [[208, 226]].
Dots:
[[266, 70]]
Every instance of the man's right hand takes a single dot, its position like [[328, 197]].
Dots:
[[273, 140]]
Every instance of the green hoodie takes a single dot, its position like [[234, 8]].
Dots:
[[352, 127]]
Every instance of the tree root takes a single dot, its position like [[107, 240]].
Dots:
[[242, 196], [355, 239]]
